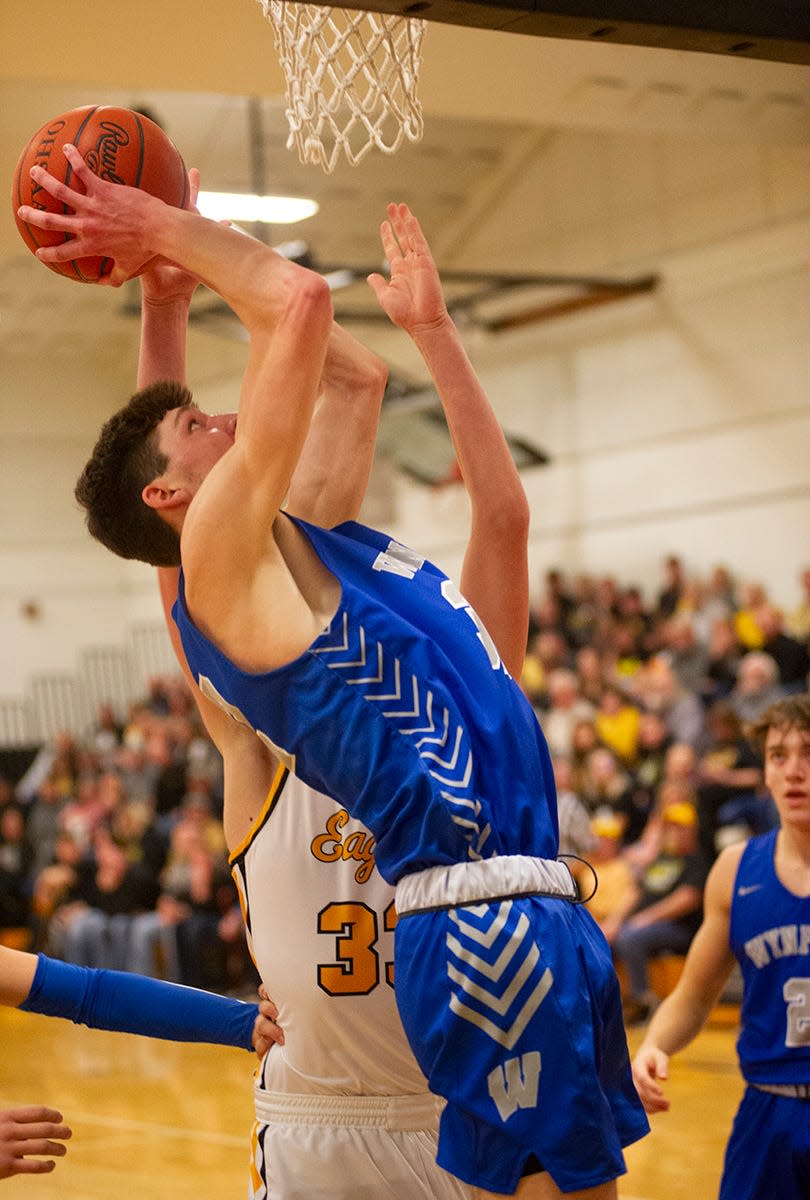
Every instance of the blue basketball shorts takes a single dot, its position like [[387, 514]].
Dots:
[[509, 999], [768, 1152]]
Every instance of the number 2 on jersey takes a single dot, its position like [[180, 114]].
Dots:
[[797, 994]]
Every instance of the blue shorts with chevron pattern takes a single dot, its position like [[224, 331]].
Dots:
[[512, 1009]]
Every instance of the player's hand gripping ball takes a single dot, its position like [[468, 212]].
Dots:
[[118, 145]]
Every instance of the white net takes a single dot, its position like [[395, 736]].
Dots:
[[351, 79]]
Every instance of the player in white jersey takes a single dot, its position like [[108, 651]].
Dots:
[[342, 1109], [320, 921]]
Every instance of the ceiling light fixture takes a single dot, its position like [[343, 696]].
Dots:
[[273, 210]]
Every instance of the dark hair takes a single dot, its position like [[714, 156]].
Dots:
[[793, 712], [125, 459]]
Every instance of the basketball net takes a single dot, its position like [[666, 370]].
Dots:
[[350, 79]]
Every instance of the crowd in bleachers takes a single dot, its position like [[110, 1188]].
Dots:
[[112, 852], [111, 845], [645, 706]]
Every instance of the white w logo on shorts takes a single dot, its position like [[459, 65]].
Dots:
[[500, 981], [513, 1085]]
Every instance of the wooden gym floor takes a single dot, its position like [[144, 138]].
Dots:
[[158, 1121]]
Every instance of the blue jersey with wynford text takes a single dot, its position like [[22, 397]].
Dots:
[[401, 710], [770, 936]]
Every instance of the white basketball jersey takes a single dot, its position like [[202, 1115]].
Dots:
[[320, 923]]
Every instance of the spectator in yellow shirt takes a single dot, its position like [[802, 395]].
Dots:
[[617, 723]]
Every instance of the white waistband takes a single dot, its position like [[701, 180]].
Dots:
[[386, 1112], [797, 1091], [500, 878]]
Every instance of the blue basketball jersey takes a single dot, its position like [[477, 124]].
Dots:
[[770, 936], [401, 710]]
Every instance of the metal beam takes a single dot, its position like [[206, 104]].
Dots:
[[777, 30]]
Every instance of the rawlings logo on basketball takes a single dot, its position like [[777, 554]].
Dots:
[[102, 160], [120, 146]]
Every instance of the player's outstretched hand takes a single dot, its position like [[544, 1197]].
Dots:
[[107, 219], [412, 297], [266, 1030], [649, 1066], [31, 1130]]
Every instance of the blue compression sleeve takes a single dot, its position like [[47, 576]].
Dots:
[[136, 1004]]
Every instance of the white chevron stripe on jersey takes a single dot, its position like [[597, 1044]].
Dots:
[[468, 823], [448, 763], [361, 651], [362, 661], [359, 681], [347, 650], [440, 739], [372, 678], [490, 954], [413, 712], [344, 633], [474, 806], [429, 728], [465, 823], [485, 832], [463, 781]]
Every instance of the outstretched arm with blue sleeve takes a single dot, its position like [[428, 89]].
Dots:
[[116, 1000]]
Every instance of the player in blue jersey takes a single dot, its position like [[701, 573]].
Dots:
[[757, 911], [341, 1109], [366, 669]]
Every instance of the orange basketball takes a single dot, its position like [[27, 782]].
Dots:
[[118, 145]]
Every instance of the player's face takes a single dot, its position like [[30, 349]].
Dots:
[[193, 441], [787, 773]]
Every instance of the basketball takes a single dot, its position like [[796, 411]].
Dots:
[[118, 145]]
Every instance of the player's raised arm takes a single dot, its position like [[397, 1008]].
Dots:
[[166, 294], [495, 572], [342, 435], [285, 308], [330, 480]]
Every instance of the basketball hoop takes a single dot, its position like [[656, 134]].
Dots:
[[350, 79]]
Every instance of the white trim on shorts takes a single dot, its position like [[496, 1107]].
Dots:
[[394, 1113], [501, 878], [795, 1091]]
